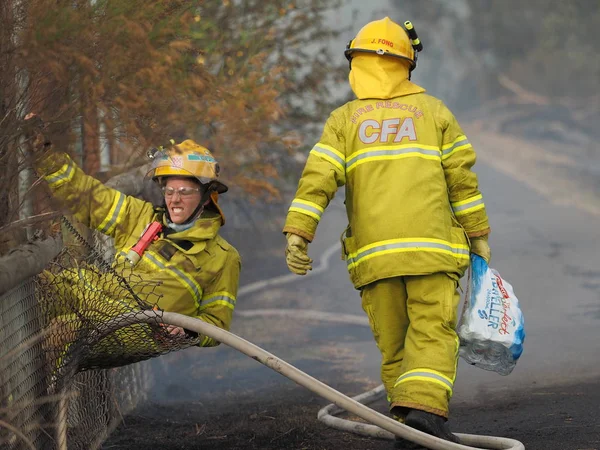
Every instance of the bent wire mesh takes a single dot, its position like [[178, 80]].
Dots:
[[82, 297]]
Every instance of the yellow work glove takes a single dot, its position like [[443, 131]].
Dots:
[[479, 246], [33, 128], [296, 254]]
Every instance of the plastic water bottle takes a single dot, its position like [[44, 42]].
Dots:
[[488, 355]]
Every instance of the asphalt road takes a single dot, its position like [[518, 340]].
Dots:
[[544, 245]]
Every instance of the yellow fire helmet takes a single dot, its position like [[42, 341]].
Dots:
[[383, 37], [188, 159]]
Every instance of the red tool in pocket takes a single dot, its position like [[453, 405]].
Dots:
[[149, 235]]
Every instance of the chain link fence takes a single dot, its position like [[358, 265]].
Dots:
[[53, 399]]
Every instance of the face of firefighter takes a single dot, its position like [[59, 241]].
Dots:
[[182, 197]]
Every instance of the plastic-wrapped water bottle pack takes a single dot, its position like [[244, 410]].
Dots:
[[492, 327]]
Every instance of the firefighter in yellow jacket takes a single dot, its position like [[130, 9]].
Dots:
[[415, 213], [191, 268]]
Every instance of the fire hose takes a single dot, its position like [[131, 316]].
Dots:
[[382, 426]]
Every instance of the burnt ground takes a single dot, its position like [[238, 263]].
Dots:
[[219, 399], [284, 417]]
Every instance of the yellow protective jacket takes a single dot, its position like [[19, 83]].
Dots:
[[411, 197], [199, 279]]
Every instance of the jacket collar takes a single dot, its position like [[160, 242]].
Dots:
[[204, 229]]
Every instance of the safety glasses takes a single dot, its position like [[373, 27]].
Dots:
[[182, 191]]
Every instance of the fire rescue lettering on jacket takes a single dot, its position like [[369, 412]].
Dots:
[[414, 110], [371, 131]]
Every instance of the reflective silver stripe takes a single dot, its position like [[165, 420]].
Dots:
[[305, 207], [422, 374], [352, 260], [461, 207], [446, 152], [64, 174], [223, 299], [322, 151], [111, 219], [82, 276], [179, 275], [404, 151], [468, 205]]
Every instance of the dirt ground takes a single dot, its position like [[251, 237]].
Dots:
[[561, 418]]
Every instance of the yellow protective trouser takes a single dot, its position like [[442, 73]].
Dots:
[[79, 297], [413, 319]]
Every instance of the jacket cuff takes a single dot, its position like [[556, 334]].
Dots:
[[309, 237], [475, 234], [300, 224]]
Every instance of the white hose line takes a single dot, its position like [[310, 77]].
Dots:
[[305, 380], [306, 314], [326, 415], [285, 279]]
